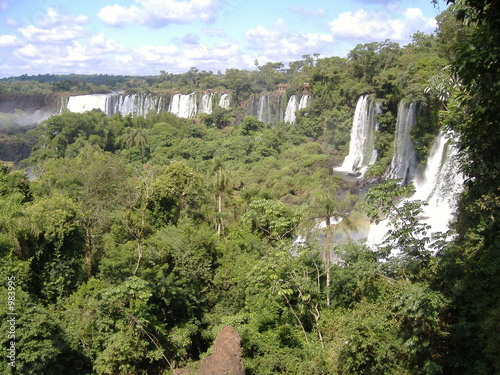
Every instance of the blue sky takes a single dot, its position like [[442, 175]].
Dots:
[[146, 36]]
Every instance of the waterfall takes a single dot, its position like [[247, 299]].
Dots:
[[83, 103], [404, 161], [224, 101], [263, 110], [295, 105], [183, 105], [361, 146], [267, 108], [438, 185], [206, 103], [136, 104], [304, 101]]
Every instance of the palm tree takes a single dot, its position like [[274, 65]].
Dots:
[[135, 137], [333, 213]]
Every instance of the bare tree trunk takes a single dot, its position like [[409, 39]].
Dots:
[[88, 250], [328, 260]]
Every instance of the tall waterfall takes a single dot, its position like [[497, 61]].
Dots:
[[438, 185], [361, 146], [295, 105], [263, 111], [404, 161]]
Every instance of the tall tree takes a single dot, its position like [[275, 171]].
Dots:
[[474, 261]]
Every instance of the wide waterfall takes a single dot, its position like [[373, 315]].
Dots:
[[182, 105], [295, 105], [267, 108], [361, 146], [84, 103], [438, 185], [134, 104]]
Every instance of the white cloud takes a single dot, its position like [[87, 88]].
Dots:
[[100, 44], [378, 26], [123, 59], [78, 52], [8, 40], [4, 5], [280, 44], [306, 12], [116, 15], [158, 54], [158, 13], [28, 51], [57, 34], [55, 28], [53, 18]]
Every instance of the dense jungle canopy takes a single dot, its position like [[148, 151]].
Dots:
[[131, 241]]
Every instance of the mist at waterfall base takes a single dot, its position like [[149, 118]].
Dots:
[[265, 108]]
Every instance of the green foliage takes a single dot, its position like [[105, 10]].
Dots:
[[139, 237]]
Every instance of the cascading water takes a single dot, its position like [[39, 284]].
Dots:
[[84, 103], [224, 101], [290, 109], [361, 146], [265, 107], [206, 103], [136, 104], [438, 185], [304, 102], [263, 111], [404, 162], [295, 105], [183, 105]]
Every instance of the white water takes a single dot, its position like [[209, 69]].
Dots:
[[83, 103], [438, 185], [441, 183], [206, 103], [361, 146], [184, 106], [225, 101], [134, 104], [293, 106], [263, 111], [404, 162]]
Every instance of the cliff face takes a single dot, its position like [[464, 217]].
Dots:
[[29, 104], [27, 110]]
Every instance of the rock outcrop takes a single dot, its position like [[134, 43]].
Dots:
[[226, 357]]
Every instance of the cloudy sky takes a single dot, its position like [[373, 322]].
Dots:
[[146, 36]]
